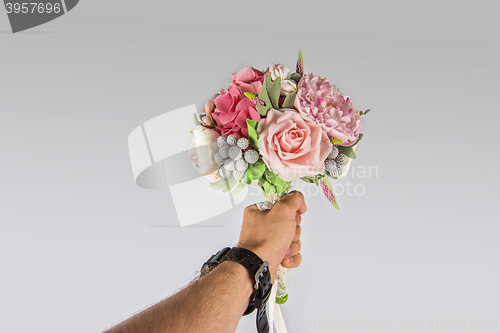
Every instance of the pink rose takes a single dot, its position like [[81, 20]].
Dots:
[[232, 111], [247, 75], [291, 146], [323, 103]]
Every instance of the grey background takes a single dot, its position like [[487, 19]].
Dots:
[[82, 247]]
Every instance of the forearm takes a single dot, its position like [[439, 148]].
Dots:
[[213, 303]]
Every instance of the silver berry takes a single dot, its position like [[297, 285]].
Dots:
[[336, 172], [334, 153], [251, 156], [342, 160], [224, 173], [241, 165], [330, 165], [229, 165], [235, 152], [221, 140], [224, 151], [243, 143], [237, 174], [218, 159], [232, 139]]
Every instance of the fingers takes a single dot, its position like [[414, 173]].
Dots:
[[293, 261], [298, 218], [296, 237], [294, 201], [294, 249]]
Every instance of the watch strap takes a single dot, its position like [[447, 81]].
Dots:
[[262, 289]]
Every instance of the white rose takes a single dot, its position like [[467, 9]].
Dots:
[[202, 150], [287, 87], [278, 71]]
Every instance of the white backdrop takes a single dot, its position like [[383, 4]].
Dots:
[[416, 249]]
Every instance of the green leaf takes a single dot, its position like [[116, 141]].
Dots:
[[362, 114], [360, 136], [195, 120], [281, 300], [274, 91], [212, 120], [313, 180], [252, 133], [301, 58], [249, 94], [280, 185], [349, 151], [325, 180], [270, 92], [268, 187], [262, 181], [336, 141], [289, 99], [238, 188], [254, 172], [224, 184], [336, 205], [191, 132], [263, 95], [262, 109]]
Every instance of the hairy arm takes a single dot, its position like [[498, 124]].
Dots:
[[214, 303]]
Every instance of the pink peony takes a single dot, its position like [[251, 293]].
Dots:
[[323, 103], [291, 146], [232, 111]]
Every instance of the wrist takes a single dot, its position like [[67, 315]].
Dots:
[[265, 253]]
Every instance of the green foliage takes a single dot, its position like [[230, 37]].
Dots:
[[301, 58], [254, 172], [336, 141], [313, 180], [289, 99], [269, 94], [262, 109], [252, 133], [362, 114], [281, 300], [280, 186], [238, 188], [224, 184], [249, 95], [349, 151]]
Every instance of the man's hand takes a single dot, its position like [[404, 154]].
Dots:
[[274, 235]]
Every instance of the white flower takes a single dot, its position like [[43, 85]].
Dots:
[[279, 70], [203, 149], [287, 87]]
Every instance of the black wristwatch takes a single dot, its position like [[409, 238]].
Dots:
[[257, 268]]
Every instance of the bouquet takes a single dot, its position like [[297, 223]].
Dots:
[[273, 127]]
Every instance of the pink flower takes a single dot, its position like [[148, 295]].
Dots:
[[209, 106], [323, 103], [232, 111], [291, 146], [247, 75]]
